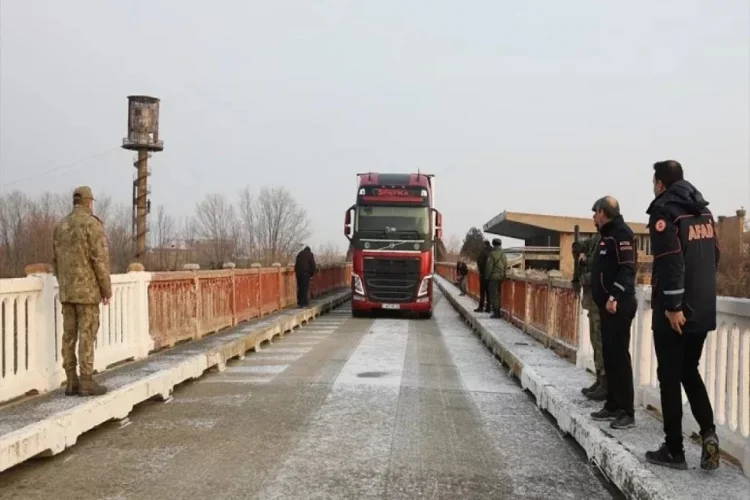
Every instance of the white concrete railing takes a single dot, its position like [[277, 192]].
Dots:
[[725, 368], [31, 331]]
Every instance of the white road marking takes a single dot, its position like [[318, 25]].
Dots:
[[275, 369], [271, 357], [289, 350], [237, 380], [379, 358]]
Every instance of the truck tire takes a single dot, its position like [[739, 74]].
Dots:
[[425, 315], [356, 313]]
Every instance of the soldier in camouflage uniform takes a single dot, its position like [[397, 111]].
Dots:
[[81, 263], [584, 252]]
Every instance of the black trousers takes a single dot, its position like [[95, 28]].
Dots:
[[495, 295], [303, 289], [484, 299], [678, 357], [616, 350]]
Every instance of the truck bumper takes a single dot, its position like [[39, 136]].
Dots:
[[361, 304]]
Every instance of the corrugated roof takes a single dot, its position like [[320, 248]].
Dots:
[[555, 223]]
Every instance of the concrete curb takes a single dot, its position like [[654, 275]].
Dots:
[[633, 479], [60, 430]]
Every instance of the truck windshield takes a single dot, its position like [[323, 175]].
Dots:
[[390, 222]]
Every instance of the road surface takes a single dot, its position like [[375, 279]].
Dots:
[[341, 409]]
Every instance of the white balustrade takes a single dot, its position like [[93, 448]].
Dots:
[[32, 327], [725, 368], [22, 361]]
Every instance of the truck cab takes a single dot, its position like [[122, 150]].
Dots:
[[393, 228]]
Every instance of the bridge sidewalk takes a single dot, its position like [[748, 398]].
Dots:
[[556, 385], [47, 424]]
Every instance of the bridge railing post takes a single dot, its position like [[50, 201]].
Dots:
[[45, 330], [140, 322]]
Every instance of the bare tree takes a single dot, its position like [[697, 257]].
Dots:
[[281, 224], [26, 227], [247, 227], [118, 225], [453, 245], [329, 253], [216, 225], [15, 209], [163, 236]]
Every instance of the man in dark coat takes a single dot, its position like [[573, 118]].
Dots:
[[462, 272], [304, 269], [686, 256], [484, 297]]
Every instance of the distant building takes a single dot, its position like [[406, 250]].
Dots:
[[549, 238], [733, 239]]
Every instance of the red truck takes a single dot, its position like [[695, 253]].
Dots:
[[393, 229]]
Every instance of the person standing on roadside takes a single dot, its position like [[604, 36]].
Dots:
[[81, 264], [686, 257], [613, 291], [484, 298], [495, 274], [585, 253], [462, 272], [304, 270]]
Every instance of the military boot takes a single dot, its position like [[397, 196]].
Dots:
[[71, 383], [89, 387], [600, 394]]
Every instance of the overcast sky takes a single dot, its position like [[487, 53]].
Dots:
[[537, 106]]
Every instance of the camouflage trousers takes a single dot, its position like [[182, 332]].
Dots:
[[595, 334], [80, 324]]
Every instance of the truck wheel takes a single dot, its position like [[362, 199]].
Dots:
[[356, 313], [425, 315]]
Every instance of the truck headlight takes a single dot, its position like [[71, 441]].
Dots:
[[424, 287], [357, 284]]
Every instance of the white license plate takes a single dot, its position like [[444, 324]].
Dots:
[[391, 306]]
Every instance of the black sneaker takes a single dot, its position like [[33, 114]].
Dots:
[[600, 394], [592, 388], [710, 454], [662, 456], [478, 310], [623, 421], [604, 415]]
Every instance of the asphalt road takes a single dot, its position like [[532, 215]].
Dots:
[[341, 409]]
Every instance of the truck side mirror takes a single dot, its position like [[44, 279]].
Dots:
[[438, 225], [348, 222]]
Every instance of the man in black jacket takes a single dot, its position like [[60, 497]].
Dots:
[[613, 291], [462, 273], [484, 297], [304, 269], [683, 302]]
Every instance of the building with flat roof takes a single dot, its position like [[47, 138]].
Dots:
[[548, 239]]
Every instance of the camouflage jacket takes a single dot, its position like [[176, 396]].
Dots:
[[81, 258], [583, 271], [496, 264]]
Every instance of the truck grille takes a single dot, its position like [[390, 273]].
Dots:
[[391, 280]]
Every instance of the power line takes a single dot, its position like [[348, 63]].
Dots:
[[60, 167]]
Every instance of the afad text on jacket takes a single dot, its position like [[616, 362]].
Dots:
[[686, 255]]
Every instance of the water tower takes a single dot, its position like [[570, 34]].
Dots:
[[143, 137]]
